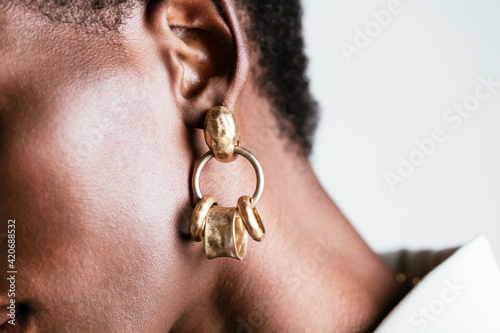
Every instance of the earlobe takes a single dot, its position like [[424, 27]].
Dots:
[[205, 53]]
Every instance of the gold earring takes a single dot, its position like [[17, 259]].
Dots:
[[225, 230]]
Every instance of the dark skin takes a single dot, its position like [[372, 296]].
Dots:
[[98, 140]]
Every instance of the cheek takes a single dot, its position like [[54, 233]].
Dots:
[[98, 189]]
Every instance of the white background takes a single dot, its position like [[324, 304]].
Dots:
[[396, 91]]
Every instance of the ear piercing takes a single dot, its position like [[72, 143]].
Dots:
[[225, 230]]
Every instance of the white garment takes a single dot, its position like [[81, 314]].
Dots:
[[460, 295]]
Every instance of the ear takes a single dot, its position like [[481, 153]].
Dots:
[[205, 52]]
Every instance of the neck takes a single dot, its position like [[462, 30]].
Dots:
[[311, 273]]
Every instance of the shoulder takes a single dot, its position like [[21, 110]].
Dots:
[[459, 291]]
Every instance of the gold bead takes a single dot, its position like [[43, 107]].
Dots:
[[401, 277], [251, 218], [222, 133], [225, 234], [199, 215], [416, 280]]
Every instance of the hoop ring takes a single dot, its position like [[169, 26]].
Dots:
[[251, 218], [240, 151], [198, 218]]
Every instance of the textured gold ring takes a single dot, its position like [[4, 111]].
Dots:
[[198, 217], [240, 151], [251, 218]]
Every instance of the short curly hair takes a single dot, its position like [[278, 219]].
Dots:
[[275, 28]]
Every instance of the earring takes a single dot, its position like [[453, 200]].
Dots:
[[225, 230]]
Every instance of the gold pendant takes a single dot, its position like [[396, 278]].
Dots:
[[225, 230], [225, 234]]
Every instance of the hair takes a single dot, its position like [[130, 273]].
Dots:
[[274, 29]]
